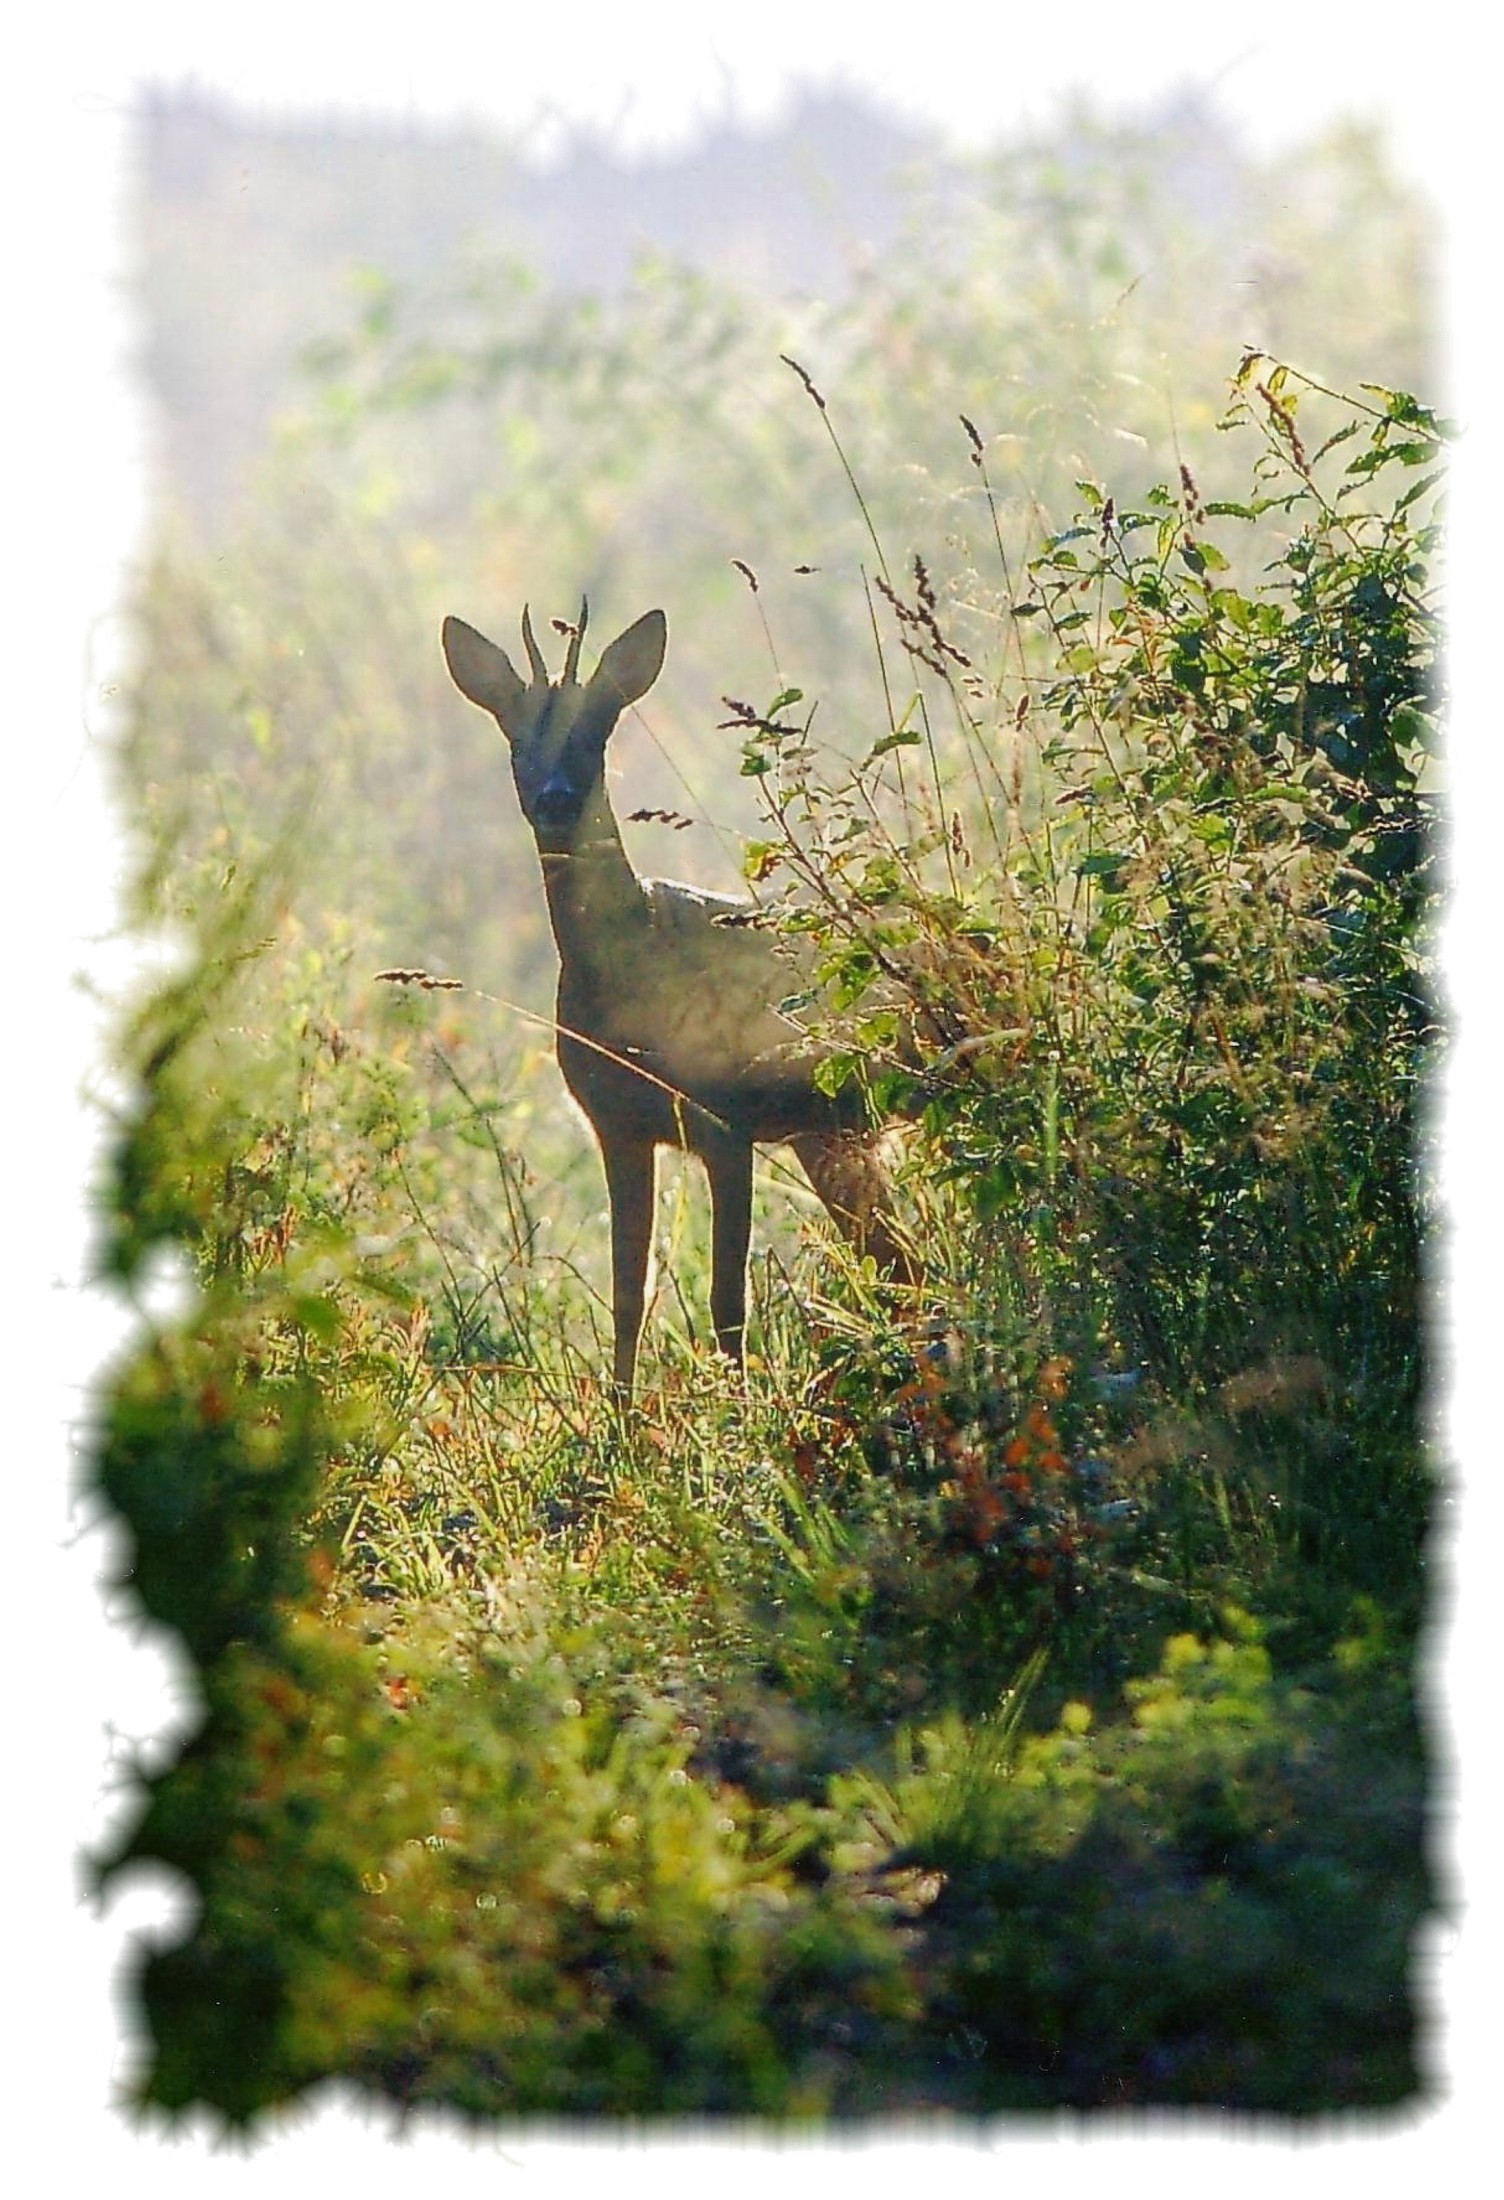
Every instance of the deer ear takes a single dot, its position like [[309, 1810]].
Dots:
[[634, 660], [482, 672]]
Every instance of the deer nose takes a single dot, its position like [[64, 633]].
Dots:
[[557, 801]]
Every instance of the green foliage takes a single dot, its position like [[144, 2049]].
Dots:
[[998, 1702], [216, 1432], [551, 1766], [1162, 961], [1212, 1902], [438, 1874]]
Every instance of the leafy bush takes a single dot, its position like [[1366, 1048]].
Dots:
[[1162, 966], [1213, 1903]]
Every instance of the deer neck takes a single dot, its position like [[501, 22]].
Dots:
[[596, 904]]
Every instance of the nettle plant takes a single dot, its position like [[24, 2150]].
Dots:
[[1141, 933]]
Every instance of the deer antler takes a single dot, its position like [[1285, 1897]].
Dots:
[[534, 653], [572, 657]]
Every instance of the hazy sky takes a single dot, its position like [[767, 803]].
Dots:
[[646, 72], [647, 75]]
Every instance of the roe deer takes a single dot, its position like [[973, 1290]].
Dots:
[[668, 1029]]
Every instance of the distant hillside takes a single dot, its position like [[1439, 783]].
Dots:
[[249, 228]]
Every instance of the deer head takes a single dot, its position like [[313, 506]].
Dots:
[[557, 730]]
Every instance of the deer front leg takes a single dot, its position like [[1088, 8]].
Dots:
[[629, 1187], [729, 1165]]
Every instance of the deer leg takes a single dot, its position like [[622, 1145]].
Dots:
[[849, 1171], [729, 1166], [630, 1177]]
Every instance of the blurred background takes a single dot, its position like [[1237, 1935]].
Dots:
[[397, 366]]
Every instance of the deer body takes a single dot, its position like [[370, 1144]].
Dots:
[[669, 1031]]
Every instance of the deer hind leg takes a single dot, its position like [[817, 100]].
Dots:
[[728, 1163], [630, 1180], [850, 1171]]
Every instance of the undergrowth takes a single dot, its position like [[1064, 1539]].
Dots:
[[1002, 1700]]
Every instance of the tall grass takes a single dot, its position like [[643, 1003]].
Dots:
[[860, 1736]]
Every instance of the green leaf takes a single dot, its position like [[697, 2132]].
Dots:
[[879, 1030], [318, 1315], [835, 1073], [1343, 434], [1416, 491], [1236, 609], [759, 857]]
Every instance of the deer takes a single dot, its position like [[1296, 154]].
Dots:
[[670, 1023]]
